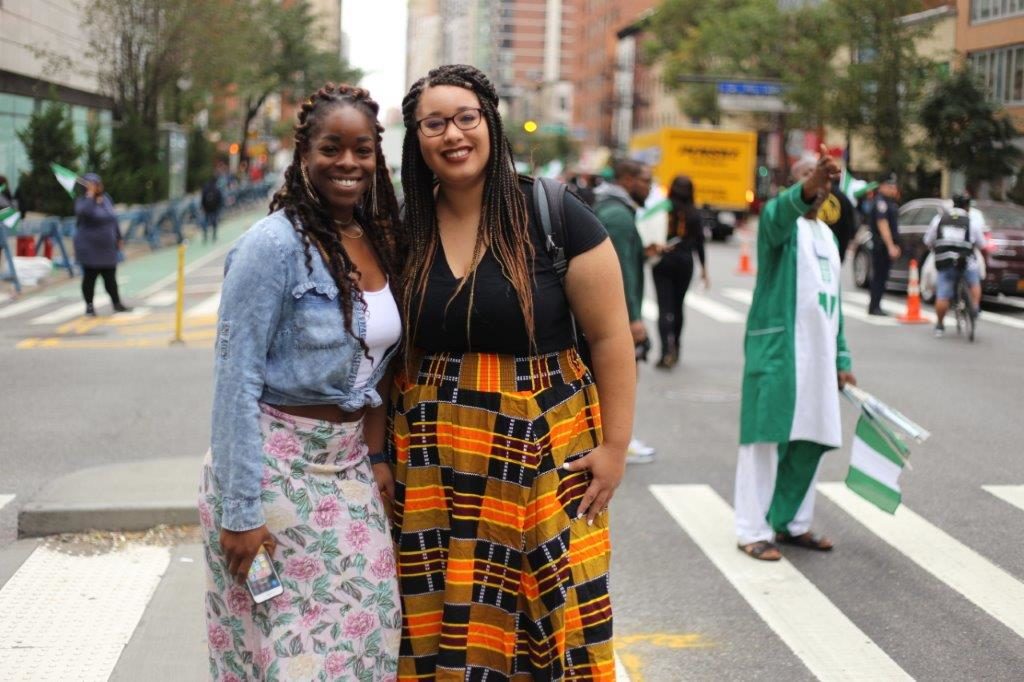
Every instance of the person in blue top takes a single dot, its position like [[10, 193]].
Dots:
[[306, 328], [97, 242], [885, 235]]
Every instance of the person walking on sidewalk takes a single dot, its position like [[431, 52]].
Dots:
[[616, 206], [885, 239], [306, 329], [672, 274], [796, 360], [98, 242], [212, 201], [507, 450]]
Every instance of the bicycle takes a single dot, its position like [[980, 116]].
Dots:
[[963, 308]]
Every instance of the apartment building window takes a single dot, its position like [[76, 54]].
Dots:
[[986, 10], [1002, 72]]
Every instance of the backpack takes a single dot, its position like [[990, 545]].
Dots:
[[211, 197], [549, 204], [952, 239]]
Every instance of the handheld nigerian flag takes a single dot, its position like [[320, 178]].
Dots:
[[10, 217], [66, 177], [878, 455]]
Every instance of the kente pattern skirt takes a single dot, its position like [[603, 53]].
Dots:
[[499, 580], [339, 616]]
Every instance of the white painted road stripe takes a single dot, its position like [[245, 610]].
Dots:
[[5, 500], [825, 640], [1014, 494], [989, 587], [25, 306], [162, 298], [713, 309], [620, 671], [739, 295], [70, 311], [69, 617], [747, 296], [208, 306]]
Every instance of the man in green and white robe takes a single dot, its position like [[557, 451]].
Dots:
[[796, 359]]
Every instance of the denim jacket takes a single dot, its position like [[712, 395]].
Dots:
[[281, 339]]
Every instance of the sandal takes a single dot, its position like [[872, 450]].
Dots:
[[808, 540], [761, 550]]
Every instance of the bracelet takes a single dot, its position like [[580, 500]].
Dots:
[[378, 458]]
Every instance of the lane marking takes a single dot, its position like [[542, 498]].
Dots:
[[208, 306], [620, 670], [1013, 494], [217, 252], [202, 338], [5, 500], [713, 309], [824, 639], [4, 298], [894, 308], [739, 295], [26, 305], [69, 617], [162, 298], [1003, 299], [989, 587], [69, 311], [747, 296]]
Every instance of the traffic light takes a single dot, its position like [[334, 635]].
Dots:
[[530, 126]]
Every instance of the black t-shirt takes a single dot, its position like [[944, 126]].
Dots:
[[497, 324]]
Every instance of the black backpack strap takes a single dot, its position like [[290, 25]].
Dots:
[[549, 200]]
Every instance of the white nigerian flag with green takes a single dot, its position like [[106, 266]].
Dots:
[[10, 217], [66, 177], [876, 462]]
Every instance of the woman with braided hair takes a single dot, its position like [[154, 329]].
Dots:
[[307, 326], [506, 451]]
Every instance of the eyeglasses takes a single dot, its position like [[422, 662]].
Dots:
[[467, 119]]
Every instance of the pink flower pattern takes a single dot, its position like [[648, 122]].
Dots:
[[327, 511], [312, 578]]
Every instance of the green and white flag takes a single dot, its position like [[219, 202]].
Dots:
[[876, 462], [66, 177], [10, 218], [663, 206]]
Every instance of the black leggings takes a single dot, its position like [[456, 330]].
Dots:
[[672, 277], [89, 276]]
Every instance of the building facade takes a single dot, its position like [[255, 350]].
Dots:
[[990, 36], [42, 57]]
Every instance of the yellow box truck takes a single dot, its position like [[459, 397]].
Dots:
[[721, 163]]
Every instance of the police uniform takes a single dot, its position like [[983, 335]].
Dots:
[[887, 209]]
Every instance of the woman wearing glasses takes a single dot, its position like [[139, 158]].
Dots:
[[506, 449]]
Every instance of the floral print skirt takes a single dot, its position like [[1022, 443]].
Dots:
[[339, 617]]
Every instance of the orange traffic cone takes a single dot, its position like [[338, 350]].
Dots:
[[913, 314], [744, 267]]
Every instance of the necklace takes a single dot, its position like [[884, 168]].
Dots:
[[358, 232]]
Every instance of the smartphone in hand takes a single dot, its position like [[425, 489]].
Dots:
[[263, 581]]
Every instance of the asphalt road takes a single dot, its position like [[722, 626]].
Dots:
[[934, 593]]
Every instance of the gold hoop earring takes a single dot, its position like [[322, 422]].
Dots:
[[310, 192]]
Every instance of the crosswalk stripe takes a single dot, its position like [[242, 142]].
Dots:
[[162, 298], [208, 306], [747, 296], [4, 298], [25, 306], [739, 295], [989, 587], [5, 500], [69, 311], [824, 639], [1013, 494], [713, 309], [69, 617]]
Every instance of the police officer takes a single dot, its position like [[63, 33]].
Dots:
[[885, 239]]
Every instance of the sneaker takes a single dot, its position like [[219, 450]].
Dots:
[[90, 310], [878, 312], [940, 331], [121, 308], [639, 452]]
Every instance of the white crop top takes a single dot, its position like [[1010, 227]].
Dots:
[[383, 329]]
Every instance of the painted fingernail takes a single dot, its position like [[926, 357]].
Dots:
[[566, 467], [590, 522]]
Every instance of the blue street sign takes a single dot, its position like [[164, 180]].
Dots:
[[750, 89]]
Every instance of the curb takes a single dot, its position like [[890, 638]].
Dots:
[[131, 496]]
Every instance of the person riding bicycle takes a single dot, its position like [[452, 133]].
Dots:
[[953, 237]]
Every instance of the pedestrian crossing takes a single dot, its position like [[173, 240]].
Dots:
[[76, 614]]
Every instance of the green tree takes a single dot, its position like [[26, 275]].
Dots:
[[539, 148], [278, 55], [1016, 193], [200, 159], [96, 152], [48, 138], [966, 131], [878, 92]]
